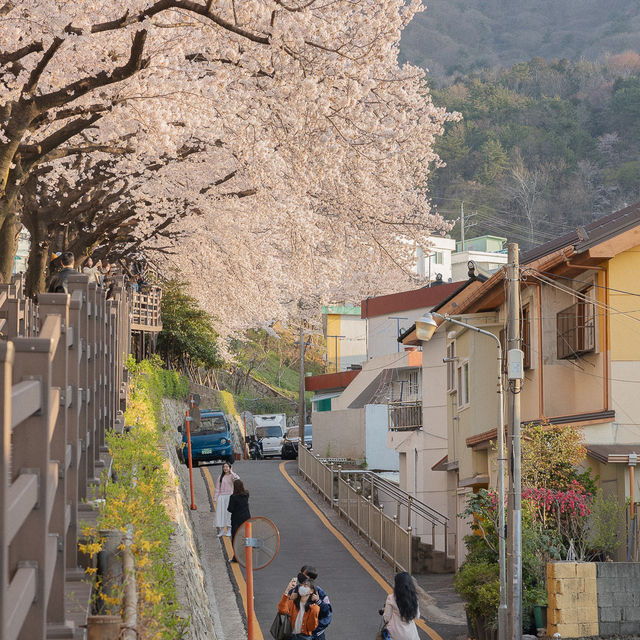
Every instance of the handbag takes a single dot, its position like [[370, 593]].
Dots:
[[383, 632], [281, 627]]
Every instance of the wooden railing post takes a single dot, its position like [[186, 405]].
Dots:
[[58, 304], [78, 287], [33, 545]]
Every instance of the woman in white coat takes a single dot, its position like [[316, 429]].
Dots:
[[401, 609], [224, 489]]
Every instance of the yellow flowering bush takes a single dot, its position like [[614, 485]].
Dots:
[[134, 498]]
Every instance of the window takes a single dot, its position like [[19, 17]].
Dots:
[[463, 384], [413, 385], [438, 257], [576, 327], [451, 366]]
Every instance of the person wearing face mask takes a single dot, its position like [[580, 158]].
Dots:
[[297, 603], [320, 598]]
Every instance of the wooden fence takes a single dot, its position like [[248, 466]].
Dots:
[[62, 382]]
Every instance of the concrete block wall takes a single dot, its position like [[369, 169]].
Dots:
[[618, 598], [572, 610]]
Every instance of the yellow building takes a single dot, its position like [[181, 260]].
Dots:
[[580, 325]]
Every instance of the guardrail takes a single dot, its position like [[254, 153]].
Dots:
[[61, 382], [358, 497]]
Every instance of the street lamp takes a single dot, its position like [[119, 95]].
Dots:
[[425, 328]]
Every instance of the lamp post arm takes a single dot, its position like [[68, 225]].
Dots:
[[470, 326]]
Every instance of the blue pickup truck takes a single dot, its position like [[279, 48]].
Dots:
[[211, 441]]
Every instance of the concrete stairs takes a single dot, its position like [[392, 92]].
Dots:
[[426, 559]]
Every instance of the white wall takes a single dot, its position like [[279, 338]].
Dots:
[[379, 456], [427, 261], [485, 260], [353, 347], [382, 333]]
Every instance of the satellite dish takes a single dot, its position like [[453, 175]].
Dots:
[[264, 542]]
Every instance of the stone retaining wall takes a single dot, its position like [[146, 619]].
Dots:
[[593, 599], [618, 598]]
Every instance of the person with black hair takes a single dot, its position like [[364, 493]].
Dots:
[[224, 489], [321, 599], [298, 603], [401, 609], [239, 508], [58, 282]]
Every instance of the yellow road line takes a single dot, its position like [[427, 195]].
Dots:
[[235, 567], [351, 549]]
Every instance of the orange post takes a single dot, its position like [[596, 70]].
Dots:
[[244, 444], [188, 421], [249, 562]]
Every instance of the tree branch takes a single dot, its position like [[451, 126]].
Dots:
[[81, 87], [34, 78], [12, 56]]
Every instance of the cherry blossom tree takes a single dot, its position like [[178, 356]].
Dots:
[[314, 146]]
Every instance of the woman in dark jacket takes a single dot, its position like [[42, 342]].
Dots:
[[239, 508]]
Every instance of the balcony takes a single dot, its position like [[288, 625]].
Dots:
[[405, 415]]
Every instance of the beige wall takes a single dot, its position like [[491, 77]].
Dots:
[[420, 450], [339, 434]]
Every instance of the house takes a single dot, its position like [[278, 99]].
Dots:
[[581, 341], [352, 421], [486, 252]]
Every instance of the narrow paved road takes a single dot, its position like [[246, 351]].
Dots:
[[355, 595]]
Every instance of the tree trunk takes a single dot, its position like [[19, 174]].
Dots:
[[37, 268], [8, 244]]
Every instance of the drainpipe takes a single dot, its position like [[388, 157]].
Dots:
[[633, 460]]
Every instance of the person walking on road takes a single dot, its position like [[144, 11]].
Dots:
[[401, 609], [320, 598], [224, 489], [297, 603], [239, 509]]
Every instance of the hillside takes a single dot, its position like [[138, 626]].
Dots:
[[454, 36], [542, 148]]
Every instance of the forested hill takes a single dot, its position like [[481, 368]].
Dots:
[[464, 35], [542, 147]]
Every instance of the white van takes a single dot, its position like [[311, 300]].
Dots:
[[270, 432]]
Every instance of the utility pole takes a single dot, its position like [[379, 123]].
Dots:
[[301, 400], [398, 318], [514, 511], [462, 223]]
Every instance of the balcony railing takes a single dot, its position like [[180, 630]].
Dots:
[[145, 309], [405, 415], [576, 330]]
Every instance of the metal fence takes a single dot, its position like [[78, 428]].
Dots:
[[61, 382], [358, 496]]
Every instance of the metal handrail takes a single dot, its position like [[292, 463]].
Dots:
[[404, 498]]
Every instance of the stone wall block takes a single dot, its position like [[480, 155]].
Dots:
[[557, 570], [610, 614], [586, 570]]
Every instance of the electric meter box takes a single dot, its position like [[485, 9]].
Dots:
[[515, 364]]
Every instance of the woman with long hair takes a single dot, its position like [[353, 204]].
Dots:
[[239, 509], [298, 604], [224, 489], [401, 609]]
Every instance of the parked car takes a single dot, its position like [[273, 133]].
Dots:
[[291, 440], [211, 441]]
